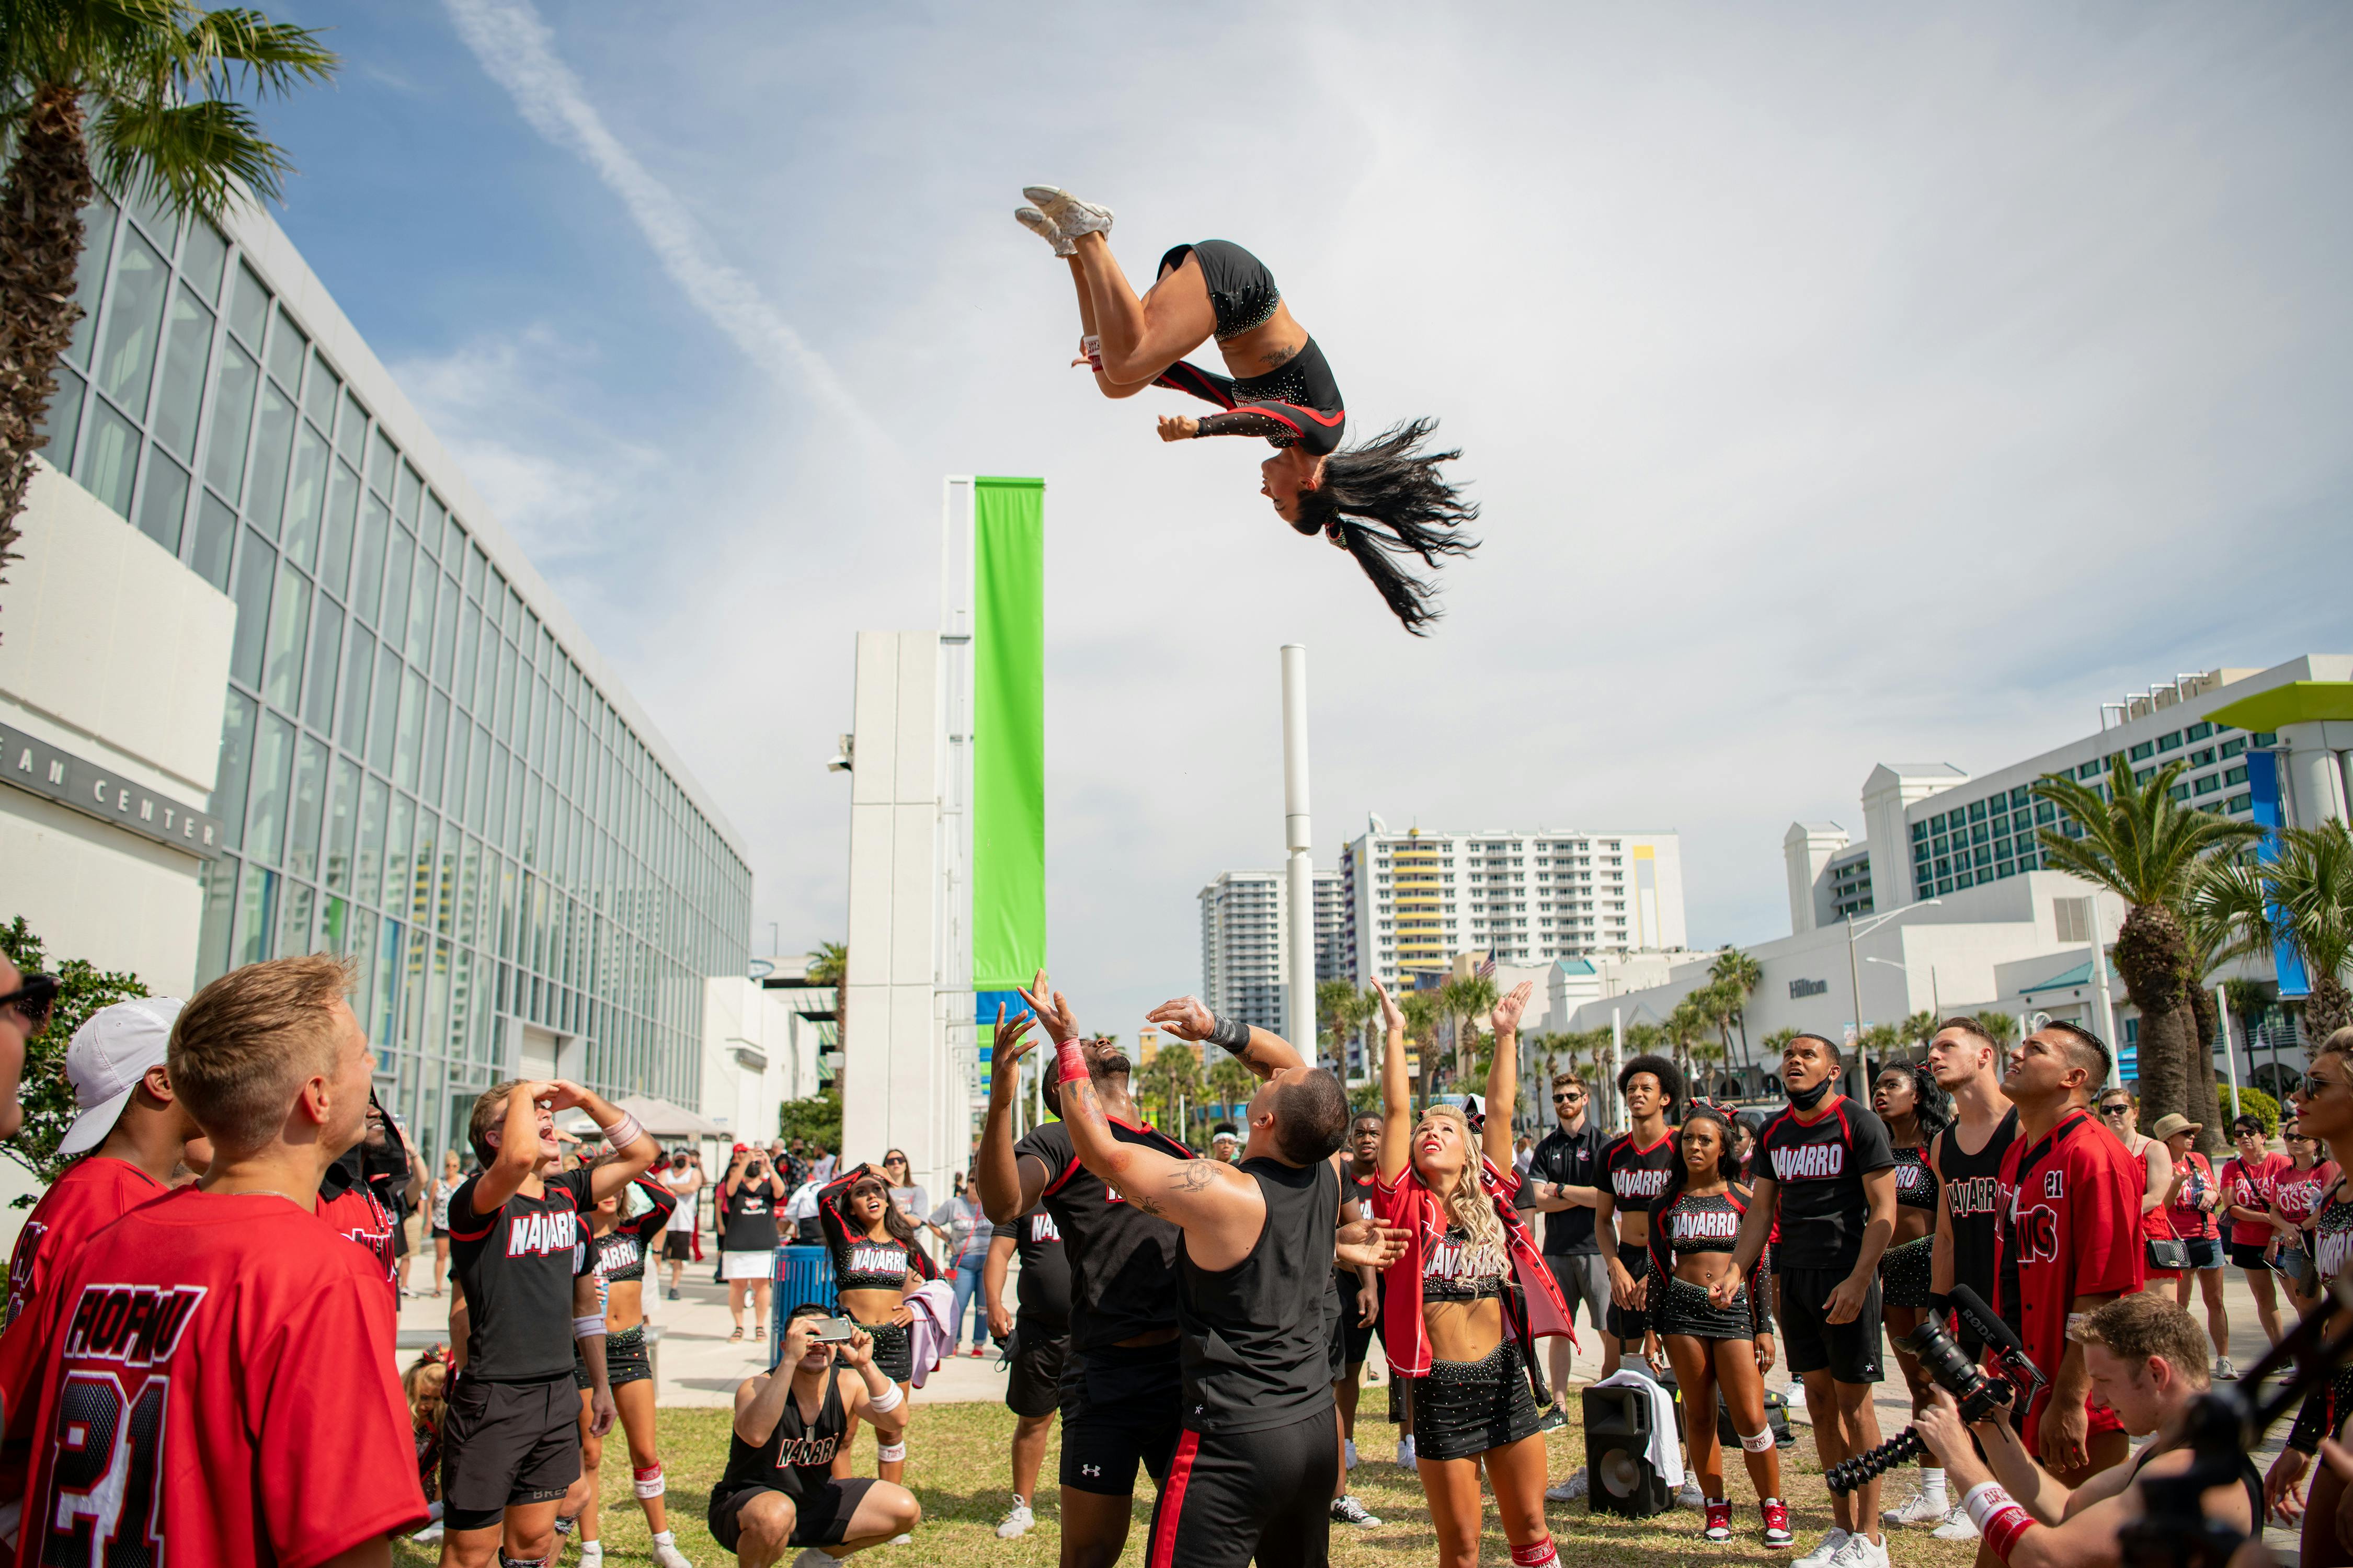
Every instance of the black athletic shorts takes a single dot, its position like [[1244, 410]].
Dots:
[[1849, 1350], [1351, 1336], [1034, 1386], [1233, 1496], [1121, 1407], [505, 1443], [1631, 1324], [677, 1247], [820, 1516]]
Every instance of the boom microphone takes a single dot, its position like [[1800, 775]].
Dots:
[[1983, 1321]]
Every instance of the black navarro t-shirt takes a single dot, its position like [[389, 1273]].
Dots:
[[1818, 1168], [1635, 1173], [515, 1266], [1043, 1286], [1570, 1160], [1122, 1260]]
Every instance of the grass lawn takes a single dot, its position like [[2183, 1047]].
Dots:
[[957, 1465]]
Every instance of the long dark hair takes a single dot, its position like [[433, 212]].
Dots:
[[1932, 1107], [1384, 500], [900, 1227], [1727, 1163]]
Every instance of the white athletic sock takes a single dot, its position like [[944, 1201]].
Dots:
[[1932, 1486], [666, 1538]]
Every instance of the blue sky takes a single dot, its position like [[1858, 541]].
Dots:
[[1843, 385]]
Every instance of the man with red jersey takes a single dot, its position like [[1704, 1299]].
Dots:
[[2074, 1225], [135, 1137], [511, 1442], [186, 1350]]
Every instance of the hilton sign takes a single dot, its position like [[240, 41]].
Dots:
[[42, 769]]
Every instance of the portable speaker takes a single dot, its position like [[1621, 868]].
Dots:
[[1619, 1477]]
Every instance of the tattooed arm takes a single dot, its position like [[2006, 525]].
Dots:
[[1217, 1206]]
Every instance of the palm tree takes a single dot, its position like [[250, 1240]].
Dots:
[[829, 965], [1877, 1045], [1741, 974], [1919, 1029], [147, 89], [1468, 999], [1231, 1083], [2149, 849], [1339, 1008], [1999, 1027], [1420, 1010], [2303, 898], [1173, 1078]]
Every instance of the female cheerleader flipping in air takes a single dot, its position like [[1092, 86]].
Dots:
[[1380, 502], [1449, 1323]]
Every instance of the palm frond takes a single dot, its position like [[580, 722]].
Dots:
[[233, 51], [2139, 843]]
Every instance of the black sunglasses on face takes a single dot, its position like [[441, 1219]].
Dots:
[[2308, 1086], [33, 998], [2114, 1110], [1566, 1099]]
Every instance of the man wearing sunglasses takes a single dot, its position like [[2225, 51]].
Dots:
[[25, 1004], [1560, 1185]]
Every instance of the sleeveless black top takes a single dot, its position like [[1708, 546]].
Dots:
[[751, 1219], [1916, 1181], [1696, 1224], [1457, 1268], [1255, 1337], [797, 1458], [1973, 1180]]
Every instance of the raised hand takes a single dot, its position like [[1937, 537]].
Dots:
[[798, 1336], [1061, 1023], [857, 1351], [1013, 1043], [1392, 1020], [1503, 1018], [559, 1094], [1186, 1017]]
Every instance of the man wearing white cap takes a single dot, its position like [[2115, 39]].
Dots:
[[135, 1138]]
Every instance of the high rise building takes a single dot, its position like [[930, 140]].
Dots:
[[421, 761], [1413, 900], [1244, 970]]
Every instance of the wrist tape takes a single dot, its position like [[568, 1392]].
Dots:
[[1998, 1516], [1073, 1059], [887, 1401], [2075, 1321], [589, 1327], [1759, 1440], [1230, 1033], [624, 1132], [649, 1482]]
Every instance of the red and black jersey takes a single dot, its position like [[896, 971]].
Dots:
[[354, 1213], [90, 1195], [1636, 1174], [1122, 1260], [621, 1251], [515, 1266], [862, 1262], [219, 1378], [2073, 1226], [1817, 1166]]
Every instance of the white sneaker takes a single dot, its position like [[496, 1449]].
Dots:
[[1041, 226], [1958, 1526], [592, 1554], [1925, 1508], [428, 1535], [1569, 1491], [1820, 1557], [2223, 1371], [1351, 1458], [1691, 1495], [1018, 1520], [901, 1539], [811, 1557], [1861, 1552], [1405, 1453], [668, 1555], [1070, 216], [1346, 1510]]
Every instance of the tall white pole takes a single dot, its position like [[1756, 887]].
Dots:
[[1299, 871], [2100, 984], [1617, 1060], [2229, 1049]]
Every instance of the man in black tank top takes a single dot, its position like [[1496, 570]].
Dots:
[[1966, 1064], [779, 1491], [2148, 1360], [1254, 1471]]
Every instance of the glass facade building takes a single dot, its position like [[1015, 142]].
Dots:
[[423, 763]]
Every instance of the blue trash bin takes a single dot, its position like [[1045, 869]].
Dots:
[[803, 1274]]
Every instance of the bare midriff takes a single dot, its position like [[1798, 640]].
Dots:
[[1464, 1331]]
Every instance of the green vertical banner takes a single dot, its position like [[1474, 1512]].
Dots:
[[1009, 732]]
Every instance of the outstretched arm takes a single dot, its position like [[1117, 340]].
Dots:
[[1263, 1051], [1009, 1187], [1212, 1202], [1503, 1075], [1397, 1093]]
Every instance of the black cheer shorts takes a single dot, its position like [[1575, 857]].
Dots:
[[1463, 1408], [1242, 294], [821, 1515], [1630, 1324], [1904, 1272], [1033, 1385], [1683, 1308], [895, 1354], [504, 1443], [624, 1360], [1233, 1496], [1850, 1351], [1122, 1408]]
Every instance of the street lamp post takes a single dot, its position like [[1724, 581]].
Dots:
[[1935, 1002], [1854, 967]]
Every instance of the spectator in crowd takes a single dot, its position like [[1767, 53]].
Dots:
[[1225, 1143], [749, 1199], [443, 1188], [25, 1004], [909, 1199], [683, 1174], [2191, 1203], [2249, 1179], [2303, 1186], [1563, 1170], [964, 1232], [821, 1165]]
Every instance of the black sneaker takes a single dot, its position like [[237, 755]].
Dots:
[[1346, 1510]]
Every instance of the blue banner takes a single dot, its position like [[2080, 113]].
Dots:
[[2262, 785]]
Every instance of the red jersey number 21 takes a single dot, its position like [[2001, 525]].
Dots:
[[104, 1487]]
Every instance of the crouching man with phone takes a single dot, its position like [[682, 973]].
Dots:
[[787, 1483]]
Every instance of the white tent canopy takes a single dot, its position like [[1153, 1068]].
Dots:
[[658, 1117]]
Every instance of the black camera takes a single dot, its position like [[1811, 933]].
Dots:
[[1949, 1366]]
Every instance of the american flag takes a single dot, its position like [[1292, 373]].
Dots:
[[1487, 968]]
